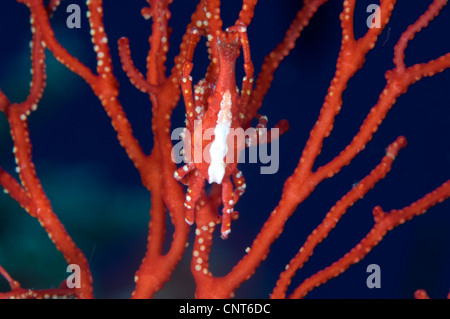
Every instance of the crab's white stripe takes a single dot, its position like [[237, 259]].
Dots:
[[219, 148]]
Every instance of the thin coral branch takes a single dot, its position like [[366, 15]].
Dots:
[[384, 222], [408, 35], [52, 6], [247, 12], [273, 60], [135, 76], [214, 21], [37, 85], [421, 294], [100, 41], [158, 40], [17, 292], [30, 194], [4, 102], [163, 184], [351, 59], [62, 55], [335, 214], [104, 85], [16, 191], [58, 293], [43, 210], [397, 84], [13, 284]]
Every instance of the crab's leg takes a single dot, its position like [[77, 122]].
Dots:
[[247, 81], [181, 173], [228, 206], [186, 78], [261, 135], [202, 91], [193, 194], [239, 184], [262, 123], [261, 128]]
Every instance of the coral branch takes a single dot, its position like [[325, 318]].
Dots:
[[14, 285], [247, 11], [62, 55], [16, 191], [421, 294], [43, 210], [273, 60], [408, 35], [135, 76], [59, 293], [335, 214], [4, 102], [158, 40], [384, 222], [351, 59]]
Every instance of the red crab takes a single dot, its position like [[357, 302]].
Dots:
[[215, 115]]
